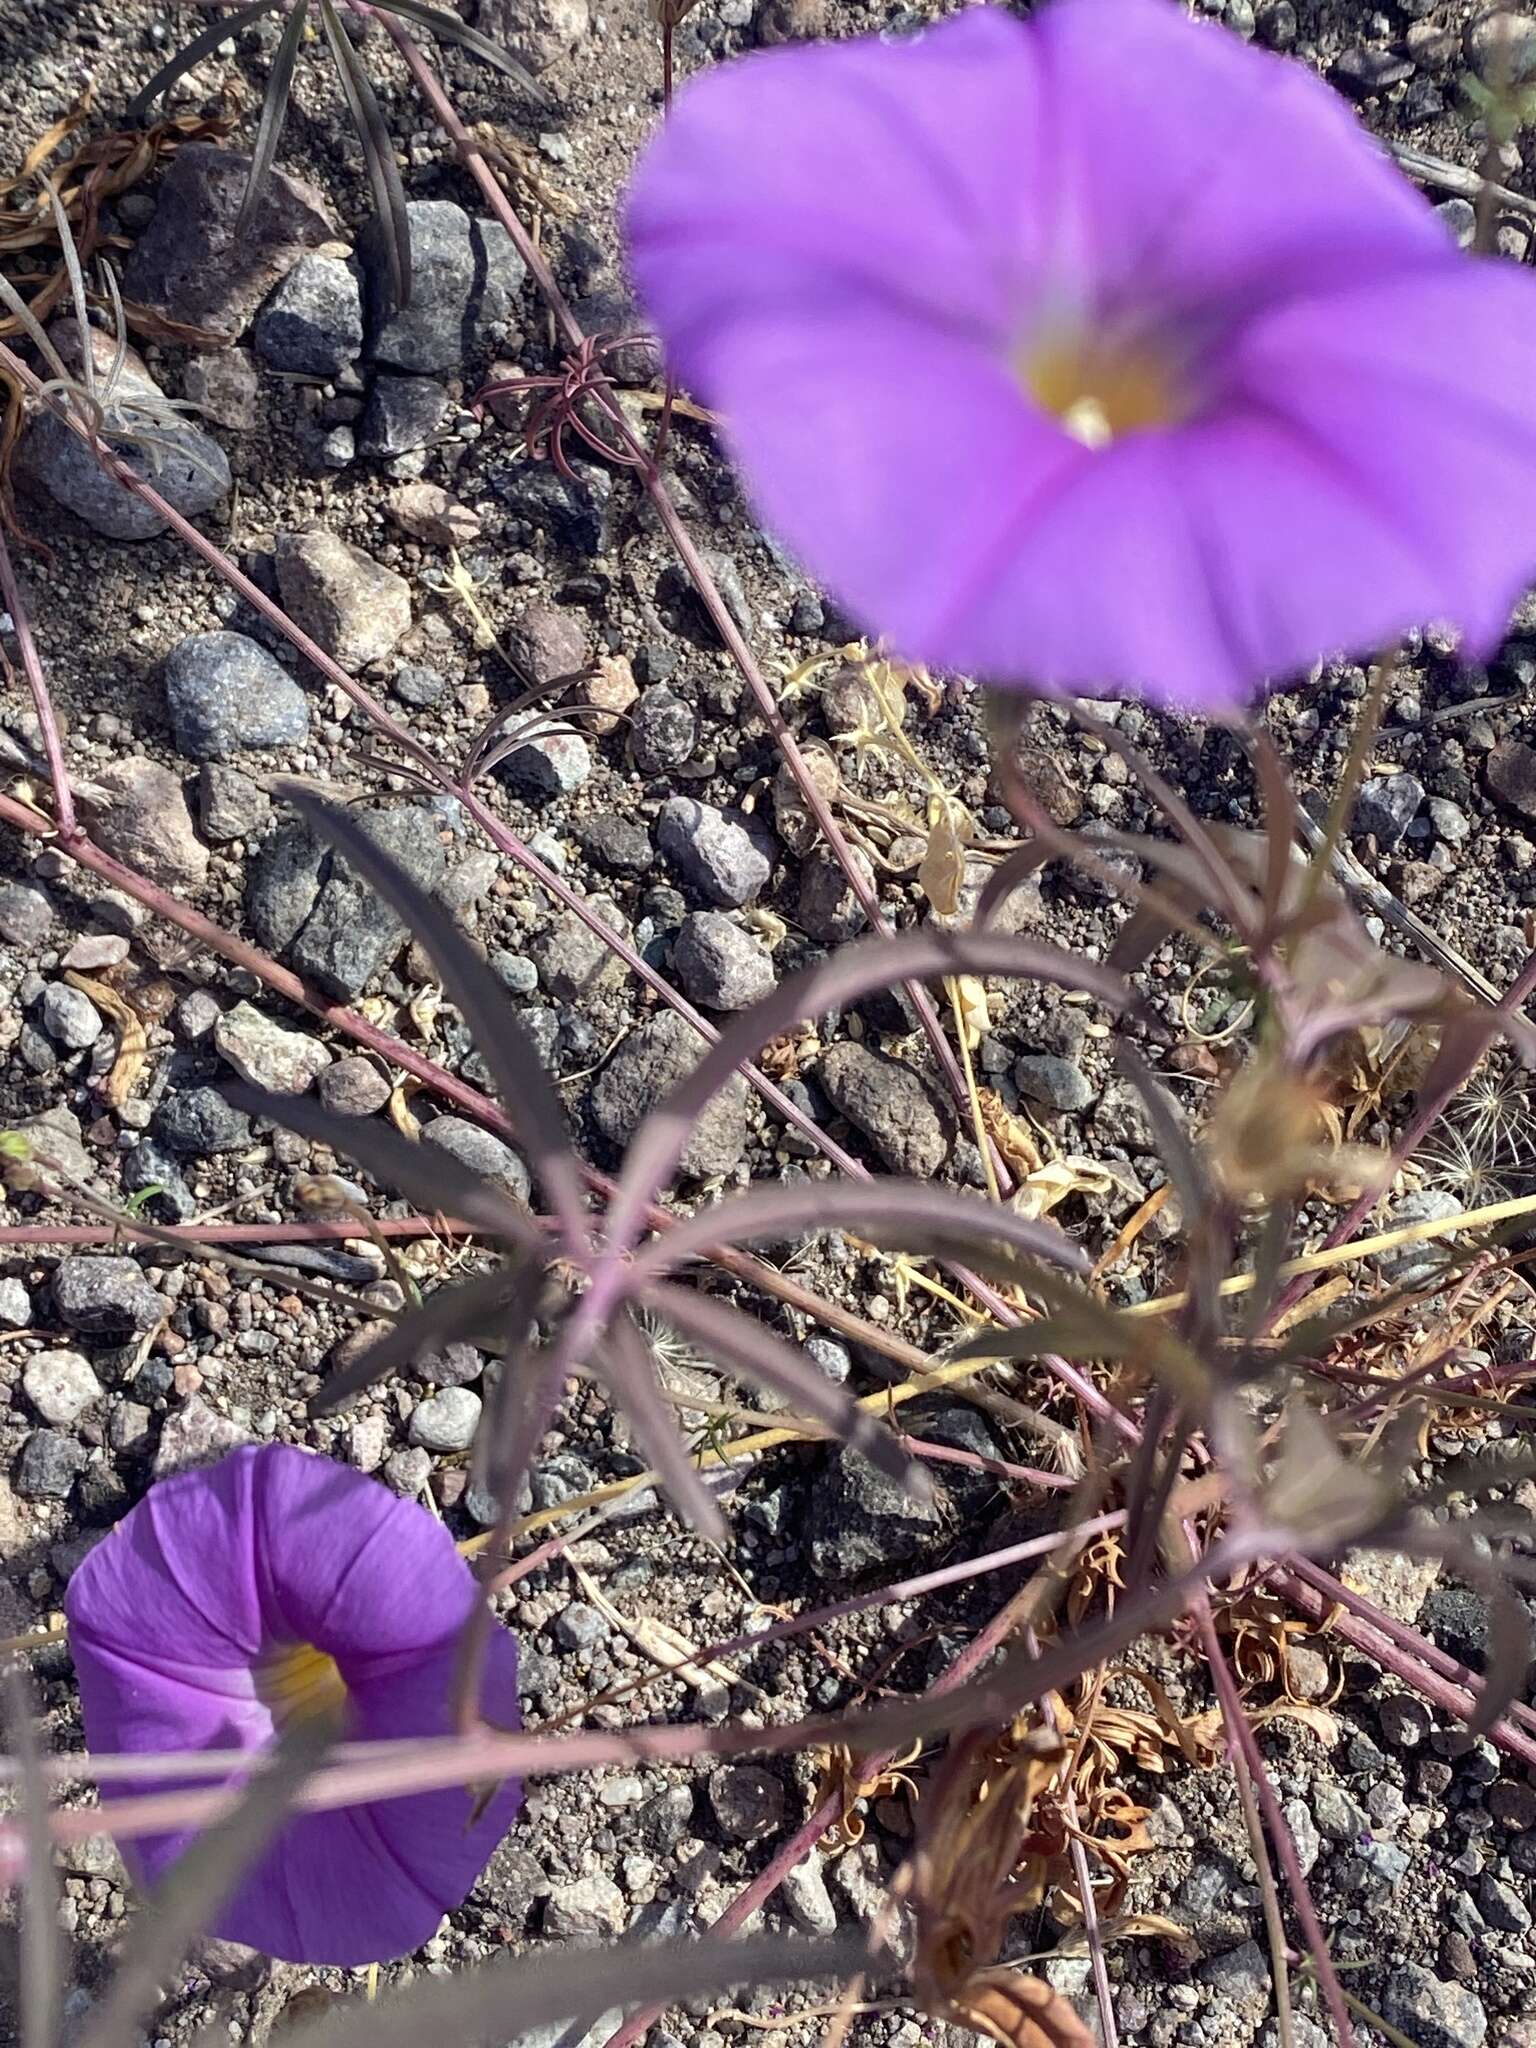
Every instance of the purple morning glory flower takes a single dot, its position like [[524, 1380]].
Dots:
[[1097, 351], [276, 1584]]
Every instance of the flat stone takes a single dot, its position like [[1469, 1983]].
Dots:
[[225, 693], [573, 960], [720, 964], [26, 915], [355, 608], [105, 1293], [198, 1123], [747, 1801], [225, 387], [581, 1629], [649, 1062], [143, 820], [198, 263], [889, 1104], [446, 1421], [860, 1520], [555, 764], [1058, 1083], [480, 1150], [262, 1052], [663, 732], [130, 1429], [96, 951], [1511, 773], [617, 843], [52, 1138], [351, 933], [195, 1434], [806, 1898], [585, 1910], [60, 1385], [465, 278], [15, 1303], [548, 641], [720, 853], [1386, 806], [1431, 2013], [312, 325]]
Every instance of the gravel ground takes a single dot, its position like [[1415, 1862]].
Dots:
[[664, 809]]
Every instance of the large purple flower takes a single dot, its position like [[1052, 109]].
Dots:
[[275, 1584], [1096, 350]]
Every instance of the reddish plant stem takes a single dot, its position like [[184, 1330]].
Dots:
[[734, 640], [38, 1235], [37, 683]]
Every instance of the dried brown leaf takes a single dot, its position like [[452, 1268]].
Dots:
[[1019, 2012]]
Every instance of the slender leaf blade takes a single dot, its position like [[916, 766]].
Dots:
[[192, 53], [378, 152], [449, 29], [274, 112], [632, 1382]]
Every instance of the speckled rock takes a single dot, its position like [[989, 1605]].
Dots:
[[355, 608]]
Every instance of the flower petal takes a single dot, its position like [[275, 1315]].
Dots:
[[829, 169]]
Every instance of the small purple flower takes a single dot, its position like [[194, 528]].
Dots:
[[1097, 350], [276, 1584]]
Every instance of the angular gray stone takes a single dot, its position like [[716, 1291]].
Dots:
[[198, 1123], [351, 933], [266, 1054], [806, 1898], [1241, 1975], [408, 1471], [663, 731], [618, 843], [446, 1421], [649, 1062], [224, 693], [555, 764], [888, 1102], [402, 413], [860, 1521], [581, 1629], [720, 964], [1386, 806], [48, 1466], [572, 960], [1431, 2013], [105, 1293], [229, 805], [69, 1016], [60, 1385], [1298, 1818], [353, 1087], [828, 910], [195, 1434], [197, 262], [284, 885], [480, 1150], [548, 641], [585, 1910], [746, 1800], [225, 387], [724, 855], [142, 818], [354, 607], [15, 1303], [465, 278], [26, 914], [312, 325], [1058, 1083]]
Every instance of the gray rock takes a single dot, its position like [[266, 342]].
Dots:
[[548, 641], [150, 1167], [456, 1365], [69, 1016], [1364, 73], [229, 804], [353, 1087], [1384, 1860], [1298, 1818], [620, 844], [105, 1294], [573, 961], [1336, 1814], [312, 326], [806, 1898], [663, 731], [130, 1428], [572, 514], [585, 1910], [1386, 806], [555, 764], [354, 607], [480, 1150], [15, 1303], [580, 1629], [195, 1434], [284, 885], [142, 819], [1416, 1262], [48, 1466], [408, 1471], [1404, 1720], [1433, 2014], [53, 1140], [828, 910], [674, 588], [1241, 1975], [446, 1421], [747, 1801], [538, 33], [465, 278], [418, 686], [60, 1385], [402, 413], [1502, 1906], [198, 262], [199, 1123], [829, 1357], [367, 1441], [225, 692], [889, 1104], [351, 933], [1450, 821], [185, 465], [719, 964], [26, 915], [267, 1055], [1511, 772], [652, 1060], [1500, 45], [515, 971], [225, 387], [721, 854], [89, 955], [1057, 1083], [196, 1014], [859, 1520]]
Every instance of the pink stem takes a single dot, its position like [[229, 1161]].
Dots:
[[38, 1234], [37, 682]]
